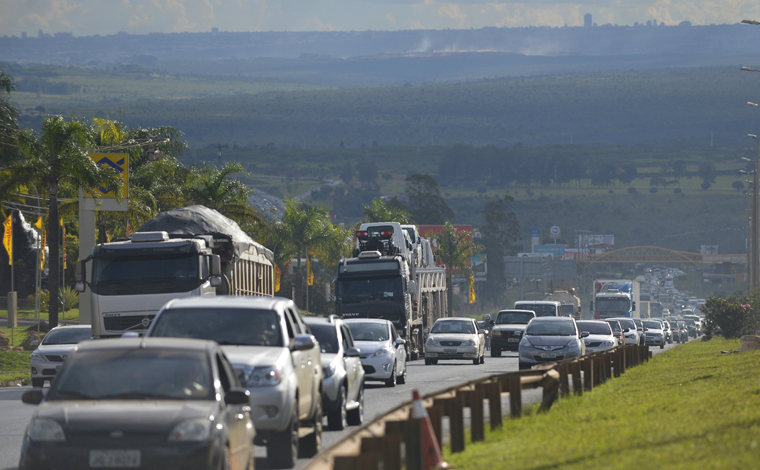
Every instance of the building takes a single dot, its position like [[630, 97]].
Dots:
[[587, 20]]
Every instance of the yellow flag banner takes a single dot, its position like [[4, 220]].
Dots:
[[8, 237], [38, 224], [472, 290], [309, 272], [42, 250], [64, 244], [277, 274], [129, 229]]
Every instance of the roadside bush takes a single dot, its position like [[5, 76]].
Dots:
[[69, 298], [730, 317]]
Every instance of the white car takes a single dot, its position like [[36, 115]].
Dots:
[[600, 336], [655, 333], [383, 351], [49, 356], [632, 336], [455, 338]]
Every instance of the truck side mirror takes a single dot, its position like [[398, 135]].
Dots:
[[216, 266], [81, 275], [634, 307]]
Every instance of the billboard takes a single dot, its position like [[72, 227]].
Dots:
[[557, 251], [479, 266], [596, 241], [431, 232]]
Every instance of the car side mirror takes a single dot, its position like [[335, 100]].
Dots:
[[400, 341], [353, 352], [32, 397], [481, 331], [215, 281], [237, 396], [585, 334], [303, 343], [626, 330]]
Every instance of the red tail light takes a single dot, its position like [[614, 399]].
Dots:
[[361, 234]]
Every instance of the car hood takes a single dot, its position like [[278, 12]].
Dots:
[[510, 326], [124, 415], [654, 330], [590, 338], [452, 337], [369, 347], [254, 356], [549, 340]]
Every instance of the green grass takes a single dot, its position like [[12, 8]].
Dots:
[[691, 407], [28, 314]]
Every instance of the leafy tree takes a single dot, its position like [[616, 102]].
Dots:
[[603, 174], [347, 173], [381, 211], [454, 250], [737, 185], [56, 161], [8, 113], [679, 169], [216, 188], [731, 317], [501, 233], [367, 171], [425, 201], [628, 174], [708, 174]]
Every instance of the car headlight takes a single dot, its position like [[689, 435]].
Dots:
[[264, 377], [38, 357], [524, 342], [328, 370], [46, 430], [191, 430], [608, 343], [431, 342], [494, 334], [469, 342], [381, 352], [572, 343]]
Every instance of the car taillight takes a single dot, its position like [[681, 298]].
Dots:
[[361, 234], [414, 306]]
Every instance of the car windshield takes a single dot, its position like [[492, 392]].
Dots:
[[627, 323], [369, 331], [550, 328], [326, 335], [456, 327], [67, 336], [514, 318], [655, 325], [226, 326], [674, 324], [615, 326], [542, 310], [135, 374], [595, 327]]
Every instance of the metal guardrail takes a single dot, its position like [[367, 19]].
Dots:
[[378, 444]]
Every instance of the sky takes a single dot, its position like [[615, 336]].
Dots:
[[105, 17]]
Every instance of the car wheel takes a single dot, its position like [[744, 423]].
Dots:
[[336, 419], [662, 345], [476, 361], [355, 417], [311, 443], [391, 382], [38, 383], [483, 358], [524, 366], [402, 378], [282, 447], [434, 361], [224, 459], [495, 351]]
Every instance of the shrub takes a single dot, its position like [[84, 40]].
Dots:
[[69, 298], [730, 317]]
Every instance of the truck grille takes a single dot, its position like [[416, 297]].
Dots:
[[130, 322]]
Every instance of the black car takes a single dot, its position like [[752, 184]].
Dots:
[[150, 403]]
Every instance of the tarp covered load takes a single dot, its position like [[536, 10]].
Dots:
[[187, 222]]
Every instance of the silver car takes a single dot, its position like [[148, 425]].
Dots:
[[455, 338], [655, 333], [550, 339], [49, 356], [383, 352], [342, 372], [600, 336]]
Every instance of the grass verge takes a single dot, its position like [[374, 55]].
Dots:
[[692, 407]]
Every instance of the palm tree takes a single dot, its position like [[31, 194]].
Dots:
[[215, 188], [454, 250], [8, 113], [55, 161], [381, 211]]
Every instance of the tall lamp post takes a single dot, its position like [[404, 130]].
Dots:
[[755, 203], [749, 228]]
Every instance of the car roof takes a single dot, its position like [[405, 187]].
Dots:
[[367, 320], [231, 301], [591, 321], [516, 310], [550, 319], [185, 344], [620, 318], [454, 318], [71, 327]]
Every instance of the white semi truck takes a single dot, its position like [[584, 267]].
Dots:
[[186, 252], [615, 298]]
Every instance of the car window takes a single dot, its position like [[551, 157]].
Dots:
[[514, 318], [348, 341], [615, 326], [542, 310], [67, 336], [369, 331], [653, 324], [463, 327], [550, 328], [595, 328], [625, 323], [122, 375], [394, 333], [226, 326], [327, 337], [294, 321]]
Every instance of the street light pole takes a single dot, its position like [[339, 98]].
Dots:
[[755, 231], [749, 229]]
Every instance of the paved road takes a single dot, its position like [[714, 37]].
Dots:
[[14, 416]]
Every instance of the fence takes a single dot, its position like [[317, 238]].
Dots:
[[382, 442]]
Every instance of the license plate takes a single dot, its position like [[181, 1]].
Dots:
[[114, 458], [449, 351], [513, 340], [548, 355]]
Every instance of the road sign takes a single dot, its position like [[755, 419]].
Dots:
[[119, 163], [555, 232]]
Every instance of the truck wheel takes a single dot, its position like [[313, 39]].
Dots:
[[310, 444], [356, 416], [495, 351], [428, 362], [337, 419], [282, 447], [391, 382], [402, 378]]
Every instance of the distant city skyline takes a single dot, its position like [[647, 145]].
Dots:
[[105, 17]]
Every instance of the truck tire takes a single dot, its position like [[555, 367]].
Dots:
[[356, 416], [337, 419], [495, 351], [282, 447], [310, 444]]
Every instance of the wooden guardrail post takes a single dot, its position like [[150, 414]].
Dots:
[[346, 462], [391, 449], [477, 418], [435, 413], [616, 363], [608, 365], [564, 385], [597, 371], [575, 367], [515, 396], [456, 423], [371, 453], [588, 374], [623, 362], [415, 457], [494, 403], [550, 385]]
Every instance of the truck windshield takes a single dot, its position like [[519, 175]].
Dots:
[[375, 288], [619, 305], [145, 273]]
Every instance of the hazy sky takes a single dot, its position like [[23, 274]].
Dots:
[[89, 17]]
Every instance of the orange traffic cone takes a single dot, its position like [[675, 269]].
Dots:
[[433, 457]]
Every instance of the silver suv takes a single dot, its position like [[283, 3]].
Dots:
[[273, 354]]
